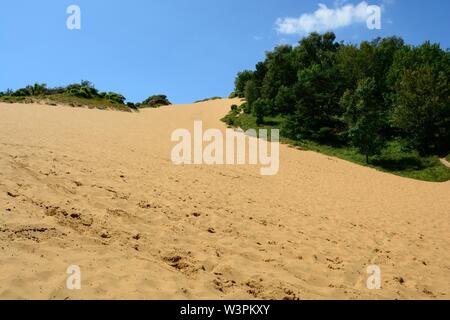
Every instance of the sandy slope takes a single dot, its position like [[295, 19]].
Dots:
[[97, 189]]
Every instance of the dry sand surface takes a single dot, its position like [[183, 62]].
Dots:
[[97, 189]]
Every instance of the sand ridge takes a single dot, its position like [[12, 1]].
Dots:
[[98, 189]]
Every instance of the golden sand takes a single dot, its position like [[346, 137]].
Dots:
[[97, 189]]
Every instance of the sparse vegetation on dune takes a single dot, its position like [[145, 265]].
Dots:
[[83, 94], [208, 99]]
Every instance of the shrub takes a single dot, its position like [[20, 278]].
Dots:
[[83, 90], [131, 105], [230, 119], [115, 97], [246, 108], [155, 101]]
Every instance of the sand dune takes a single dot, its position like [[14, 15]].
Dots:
[[97, 189]]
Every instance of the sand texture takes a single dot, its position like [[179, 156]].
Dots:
[[98, 189]]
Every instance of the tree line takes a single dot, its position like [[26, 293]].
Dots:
[[361, 95]]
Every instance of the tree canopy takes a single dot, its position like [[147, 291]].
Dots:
[[361, 95]]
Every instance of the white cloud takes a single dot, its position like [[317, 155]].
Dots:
[[325, 19]]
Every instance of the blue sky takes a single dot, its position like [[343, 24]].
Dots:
[[188, 50]]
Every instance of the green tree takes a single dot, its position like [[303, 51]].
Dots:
[[365, 118], [419, 78], [317, 112], [241, 82], [251, 92], [280, 72], [260, 108], [285, 100], [422, 109], [260, 73]]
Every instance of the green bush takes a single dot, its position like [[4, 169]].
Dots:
[[246, 108], [115, 97], [155, 101], [131, 105]]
